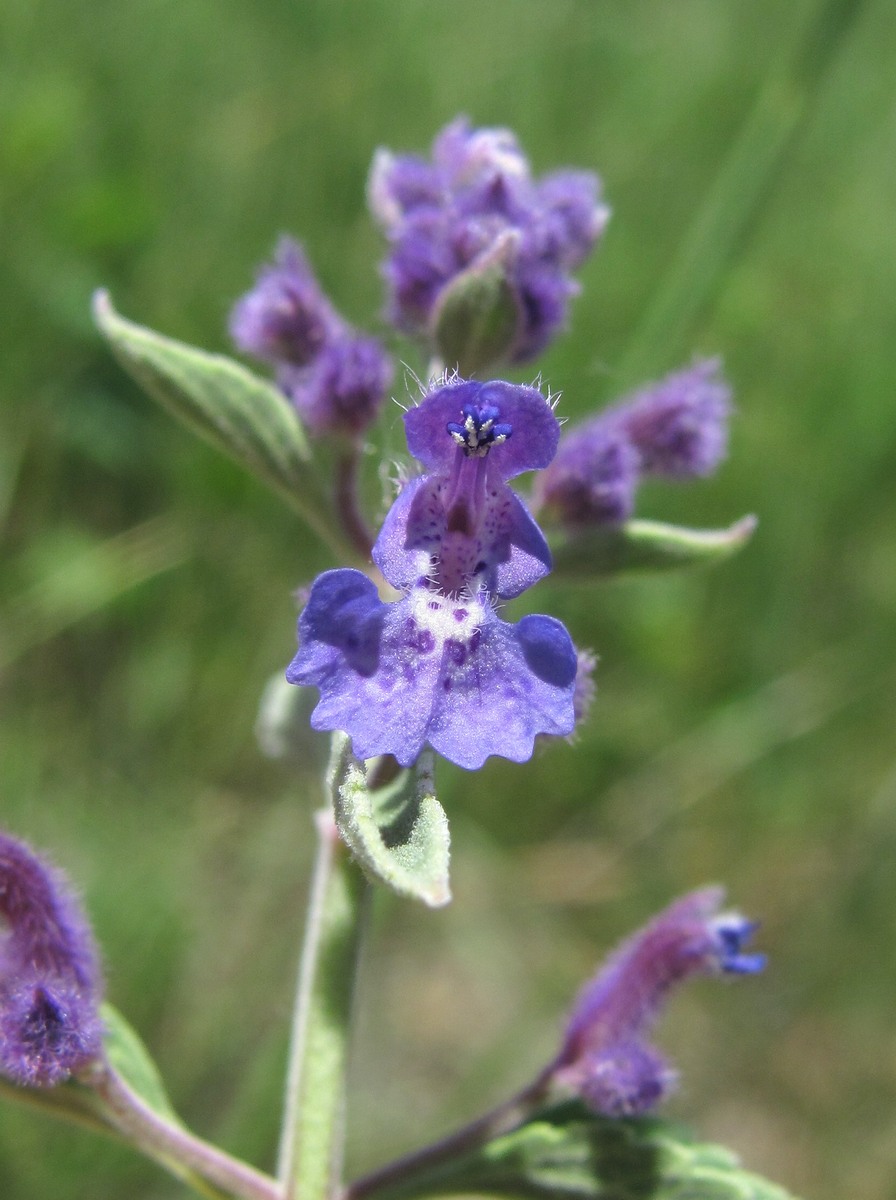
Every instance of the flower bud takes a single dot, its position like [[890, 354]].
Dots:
[[49, 973], [605, 1057]]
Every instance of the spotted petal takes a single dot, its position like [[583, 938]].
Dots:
[[431, 670], [505, 551]]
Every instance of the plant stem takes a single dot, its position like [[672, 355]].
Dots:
[[311, 1142], [346, 497], [412, 1173], [173, 1146]]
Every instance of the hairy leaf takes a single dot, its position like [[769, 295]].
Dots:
[[646, 546], [397, 833], [567, 1153], [225, 403]]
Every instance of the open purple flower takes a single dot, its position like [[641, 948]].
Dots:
[[605, 1056], [443, 216], [49, 973], [438, 666]]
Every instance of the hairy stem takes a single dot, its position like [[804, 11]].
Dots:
[[346, 497], [414, 1173], [311, 1142], [174, 1147]]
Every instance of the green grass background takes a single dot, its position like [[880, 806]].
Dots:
[[744, 728]]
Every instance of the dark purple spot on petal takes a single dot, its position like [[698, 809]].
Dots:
[[456, 651]]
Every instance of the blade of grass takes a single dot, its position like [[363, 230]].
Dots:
[[744, 182]]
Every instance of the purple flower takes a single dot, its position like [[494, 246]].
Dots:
[[680, 425], [335, 378], [444, 216], [438, 666], [50, 982], [594, 478], [605, 1057], [676, 428], [344, 386], [285, 318]]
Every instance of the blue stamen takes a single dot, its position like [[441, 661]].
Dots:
[[480, 429]]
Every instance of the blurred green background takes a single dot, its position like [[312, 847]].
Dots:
[[744, 724]]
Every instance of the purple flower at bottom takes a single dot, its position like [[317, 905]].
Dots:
[[605, 1057], [439, 667], [432, 670], [49, 973]]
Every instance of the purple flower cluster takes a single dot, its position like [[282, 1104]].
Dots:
[[605, 1057], [49, 973], [445, 215], [439, 666], [677, 428], [335, 377]]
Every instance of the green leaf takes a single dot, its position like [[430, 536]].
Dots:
[[225, 403], [80, 1104], [398, 833], [567, 1153], [477, 319], [130, 1058], [646, 546]]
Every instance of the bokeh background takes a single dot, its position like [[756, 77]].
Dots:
[[744, 727]]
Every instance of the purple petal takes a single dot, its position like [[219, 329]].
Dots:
[[626, 1081], [503, 549], [431, 669], [604, 1056], [342, 391], [49, 973], [398, 184], [626, 995], [536, 431]]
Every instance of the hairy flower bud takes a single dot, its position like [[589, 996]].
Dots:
[[335, 378], [49, 973], [447, 216], [680, 425], [605, 1057], [676, 428]]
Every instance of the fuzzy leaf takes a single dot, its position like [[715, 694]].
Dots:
[[130, 1058], [225, 403], [398, 833], [646, 546], [567, 1153], [477, 319]]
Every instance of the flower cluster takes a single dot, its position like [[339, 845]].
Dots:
[[439, 666], [605, 1057], [335, 377], [676, 428], [447, 215], [49, 973], [474, 238]]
